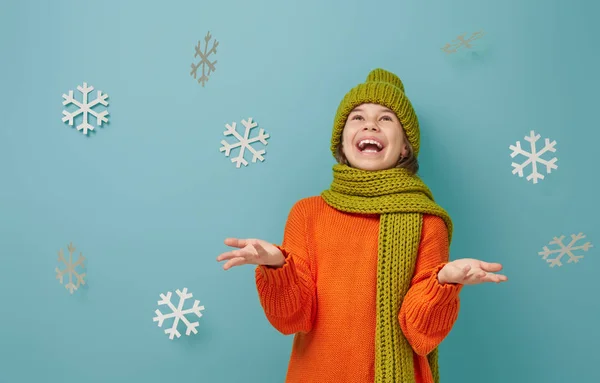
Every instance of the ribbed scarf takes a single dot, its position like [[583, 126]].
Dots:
[[401, 199]]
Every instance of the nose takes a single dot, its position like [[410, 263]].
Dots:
[[370, 126]]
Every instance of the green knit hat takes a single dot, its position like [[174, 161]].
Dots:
[[383, 88]]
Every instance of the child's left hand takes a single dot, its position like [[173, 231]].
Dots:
[[468, 271]]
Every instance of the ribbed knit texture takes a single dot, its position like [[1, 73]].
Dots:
[[384, 88], [401, 199], [326, 295]]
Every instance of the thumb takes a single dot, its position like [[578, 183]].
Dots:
[[263, 249], [465, 270]]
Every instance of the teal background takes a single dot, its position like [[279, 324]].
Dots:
[[148, 199]]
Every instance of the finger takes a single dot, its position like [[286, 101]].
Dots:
[[475, 277], [241, 253], [496, 278], [236, 242], [501, 278], [490, 266], [234, 262]]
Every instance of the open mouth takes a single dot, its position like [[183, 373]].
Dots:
[[369, 146]]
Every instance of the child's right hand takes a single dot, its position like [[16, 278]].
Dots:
[[251, 251]]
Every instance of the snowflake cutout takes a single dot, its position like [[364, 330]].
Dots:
[[244, 142], [207, 66], [533, 157], [70, 269], [85, 107], [563, 250], [462, 42], [178, 313]]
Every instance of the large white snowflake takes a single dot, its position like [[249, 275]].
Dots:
[[533, 157], [70, 269], [85, 107], [178, 313], [244, 142], [563, 250], [207, 66]]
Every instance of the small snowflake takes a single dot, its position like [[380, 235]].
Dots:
[[70, 269], [533, 157], [178, 313], [85, 107], [462, 42], [204, 61], [244, 142], [563, 250]]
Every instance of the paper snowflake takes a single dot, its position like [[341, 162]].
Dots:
[[244, 143], [70, 269], [85, 108], [178, 313], [563, 250], [533, 157], [207, 66], [462, 42]]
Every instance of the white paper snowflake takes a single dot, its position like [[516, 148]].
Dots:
[[207, 66], [533, 157], [70, 269], [85, 107], [178, 313], [563, 250], [244, 142]]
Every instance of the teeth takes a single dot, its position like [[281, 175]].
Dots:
[[362, 143]]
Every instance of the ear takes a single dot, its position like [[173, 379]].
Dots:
[[404, 151]]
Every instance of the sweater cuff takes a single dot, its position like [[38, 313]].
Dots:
[[440, 294], [436, 308], [281, 276]]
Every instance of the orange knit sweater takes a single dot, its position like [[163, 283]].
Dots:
[[325, 294]]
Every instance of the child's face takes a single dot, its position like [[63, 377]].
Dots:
[[372, 138]]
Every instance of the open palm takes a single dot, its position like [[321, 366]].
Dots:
[[251, 252], [469, 271]]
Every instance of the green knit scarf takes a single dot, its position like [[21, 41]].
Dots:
[[401, 199]]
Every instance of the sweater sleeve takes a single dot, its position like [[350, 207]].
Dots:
[[430, 309], [288, 294]]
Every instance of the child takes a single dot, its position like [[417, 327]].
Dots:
[[363, 277]]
